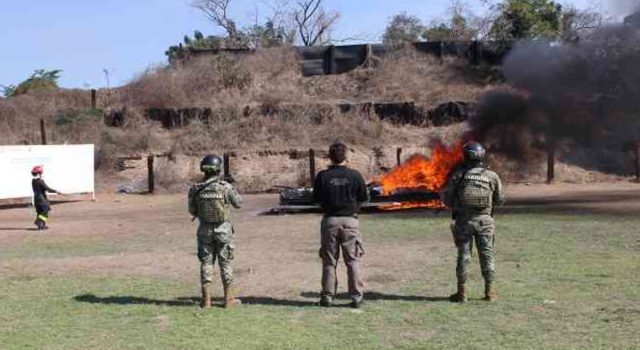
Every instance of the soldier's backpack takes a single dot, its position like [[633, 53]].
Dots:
[[475, 192]]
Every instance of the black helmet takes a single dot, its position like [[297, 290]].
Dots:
[[473, 152], [211, 164]]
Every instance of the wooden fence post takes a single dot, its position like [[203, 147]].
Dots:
[[227, 165], [94, 99], [151, 175], [551, 160], [312, 166], [43, 132], [399, 155], [636, 150]]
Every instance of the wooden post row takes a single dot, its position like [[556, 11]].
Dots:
[[151, 175]]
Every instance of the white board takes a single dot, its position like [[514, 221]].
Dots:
[[67, 168]]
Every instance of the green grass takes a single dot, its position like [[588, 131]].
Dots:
[[566, 282]]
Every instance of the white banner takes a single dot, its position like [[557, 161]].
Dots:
[[67, 168]]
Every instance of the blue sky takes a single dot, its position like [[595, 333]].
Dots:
[[84, 37]]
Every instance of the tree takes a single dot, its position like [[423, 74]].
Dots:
[[527, 19], [268, 35], [41, 79], [217, 12], [457, 28], [313, 22], [576, 22], [198, 42], [438, 32], [403, 29]]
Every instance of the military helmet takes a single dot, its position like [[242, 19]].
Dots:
[[473, 152], [211, 164]]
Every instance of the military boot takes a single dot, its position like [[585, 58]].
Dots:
[[490, 292], [206, 296], [230, 296], [461, 295]]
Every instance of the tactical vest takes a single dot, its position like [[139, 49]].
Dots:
[[212, 203], [476, 194]]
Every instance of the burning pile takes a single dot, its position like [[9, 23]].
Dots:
[[421, 175]]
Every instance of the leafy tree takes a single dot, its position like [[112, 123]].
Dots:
[[269, 35], [199, 41], [41, 79], [403, 29], [438, 32], [527, 19], [458, 27]]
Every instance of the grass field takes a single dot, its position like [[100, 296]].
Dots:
[[568, 279]]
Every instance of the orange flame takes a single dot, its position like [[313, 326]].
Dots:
[[419, 173]]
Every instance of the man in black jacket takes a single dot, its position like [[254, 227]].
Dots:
[[340, 191]]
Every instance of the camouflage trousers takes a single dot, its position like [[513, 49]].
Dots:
[[216, 241], [480, 228], [341, 233]]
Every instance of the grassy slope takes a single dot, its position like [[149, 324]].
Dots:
[[566, 281]]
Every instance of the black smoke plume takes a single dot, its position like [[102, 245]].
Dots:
[[587, 93]]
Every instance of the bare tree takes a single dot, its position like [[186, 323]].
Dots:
[[217, 12], [461, 18], [313, 22], [576, 23]]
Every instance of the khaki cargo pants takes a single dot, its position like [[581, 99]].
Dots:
[[337, 233]]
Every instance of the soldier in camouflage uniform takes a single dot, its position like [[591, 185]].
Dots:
[[472, 192], [210, 201]]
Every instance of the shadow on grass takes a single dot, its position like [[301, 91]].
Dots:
[[186, 301], [376, 296], [131, 300], [247, 300]]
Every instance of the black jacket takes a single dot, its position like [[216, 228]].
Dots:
[[340, 190], [40, 190]]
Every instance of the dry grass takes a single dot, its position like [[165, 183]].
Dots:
[[262, 101]]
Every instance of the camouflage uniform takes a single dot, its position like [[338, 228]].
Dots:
[[472, 192], [210, 202]]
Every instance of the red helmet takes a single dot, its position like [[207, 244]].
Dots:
[[36, 170]]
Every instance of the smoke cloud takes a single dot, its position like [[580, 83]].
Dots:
[[623, 7], [587, 93]]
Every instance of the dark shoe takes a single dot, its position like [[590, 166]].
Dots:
[[460, 296], [356, 304], [326, 302]]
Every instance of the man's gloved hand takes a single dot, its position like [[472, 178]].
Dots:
[[230, 179]]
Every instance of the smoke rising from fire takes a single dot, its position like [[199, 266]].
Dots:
[[586, 93]]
